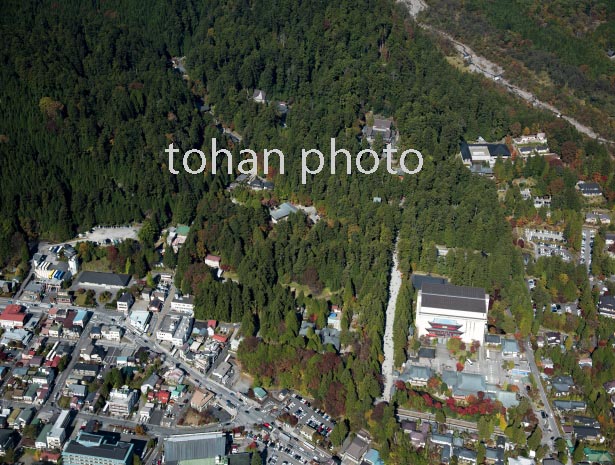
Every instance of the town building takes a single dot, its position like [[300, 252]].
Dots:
[[444, 311], [125, 301], [94, 449], [483, 153], [57, 434], [198, 446], [122, 401], [183, 304], [200, 399], [140, 319], [174, 329], [13, 316], [104, 280], [112, 333]]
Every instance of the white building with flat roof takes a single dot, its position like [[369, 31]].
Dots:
[[444, 311], [57, 434], [122, 401], [183, 304], [140, 319], [174, 329]]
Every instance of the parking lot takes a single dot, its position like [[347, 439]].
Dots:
[[306, 415], [587, 245], [111, 234], [279, 449]]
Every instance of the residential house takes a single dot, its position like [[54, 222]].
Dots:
[[570, 405], [150, 383], [259, 96], [586, 433], [553, 338], [609, 387], [86, 369], [597, 218], [542, 202], [606, 306], [41, 439], [155, 305], [521, 461], [212, 261], [589, 189], [334, 320], [562, 385], [8, 440], [355, 450], [381, 128], [282, 212]]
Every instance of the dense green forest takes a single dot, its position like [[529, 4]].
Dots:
[[557, 49], [90, 100], [87, 99]]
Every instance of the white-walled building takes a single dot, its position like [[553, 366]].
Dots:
[[183, 304], [140, 319], [57, 434], [444, 310], [112, 333], [174, 329], [122, 401]]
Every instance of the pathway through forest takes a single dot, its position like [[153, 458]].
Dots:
[[493, 71], [394, 286]]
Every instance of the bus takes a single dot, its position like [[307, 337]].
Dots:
[[308, 445]]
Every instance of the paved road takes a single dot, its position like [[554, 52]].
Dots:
[[60, 381], [394, 286], [109, 422], [493, 71], [553, 427]]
